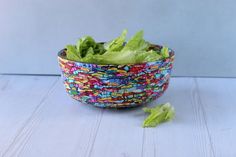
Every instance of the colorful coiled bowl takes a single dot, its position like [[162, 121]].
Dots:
[[116, 86]]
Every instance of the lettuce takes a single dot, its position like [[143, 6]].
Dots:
[[149, 56], [84, 44], [165, 52], [158, 114], [136, 43], [116, 44], [120, 53], [117, 51], [99, 49], [71, 53]]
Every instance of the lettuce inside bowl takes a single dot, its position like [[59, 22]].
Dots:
[[116, 52]]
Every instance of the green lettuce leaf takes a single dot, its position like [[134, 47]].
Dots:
[[71, 53], [99, 49], [84, 44], [128, 54], [136, 43], [149, 56], [90, 57], [117, 57], [165, 52], [116, 44], [158, 114]]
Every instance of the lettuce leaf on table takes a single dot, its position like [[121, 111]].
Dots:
[[159, 114]]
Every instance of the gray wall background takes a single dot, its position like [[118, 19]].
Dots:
[[202, 32]]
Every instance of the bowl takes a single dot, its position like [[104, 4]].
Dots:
[[116, 86]]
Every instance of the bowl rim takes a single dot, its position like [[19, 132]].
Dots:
[[61, 56]]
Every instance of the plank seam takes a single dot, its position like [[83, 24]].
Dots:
[[144, 135], [96, 132], [204, 116], [21, 131]]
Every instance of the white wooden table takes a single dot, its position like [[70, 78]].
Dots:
[[38, 119]]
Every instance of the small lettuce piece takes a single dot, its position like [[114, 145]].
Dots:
[[89, 58], [116, 44], [158, 114], [165, 52], [90, 51], [71, 53], [136, 43], [99, 49], [117, 57], [84, 44], [149, 56]]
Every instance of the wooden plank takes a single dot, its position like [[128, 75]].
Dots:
[[218, 101], [60, 126], [63, 127], [20, 98], [120, 134], [187, 134]]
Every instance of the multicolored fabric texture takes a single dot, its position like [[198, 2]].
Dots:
[[115, 86]]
